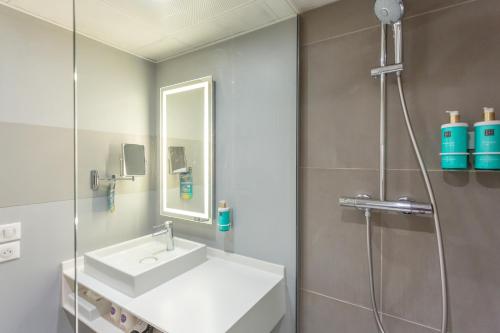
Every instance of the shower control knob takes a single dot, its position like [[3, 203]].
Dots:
[[405, 199]]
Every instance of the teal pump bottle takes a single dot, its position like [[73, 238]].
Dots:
[[224, 218], [487, 142], [454, 143]]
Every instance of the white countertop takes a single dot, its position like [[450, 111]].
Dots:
[[227, 293]]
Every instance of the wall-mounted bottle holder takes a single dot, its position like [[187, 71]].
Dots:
[[454, 161]]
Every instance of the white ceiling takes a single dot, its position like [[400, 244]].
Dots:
[[305, 5], [160, 29]]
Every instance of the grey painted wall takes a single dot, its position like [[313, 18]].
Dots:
[[116, 104], [256, 126], [452, 54]]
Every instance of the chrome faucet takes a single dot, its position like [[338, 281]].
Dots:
[[166, 228]]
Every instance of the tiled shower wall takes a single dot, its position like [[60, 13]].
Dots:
[[452, 61]]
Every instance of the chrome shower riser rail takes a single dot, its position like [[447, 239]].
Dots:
[[404, 207]]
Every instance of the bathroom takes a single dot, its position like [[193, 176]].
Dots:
[[281, 166]]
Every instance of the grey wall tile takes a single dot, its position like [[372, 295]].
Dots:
[[336, 19], [340, 100], [451, 63], [392, 324], [333, 254], [37, 164], [343, 17], [469, 214], [324, 315], [410, 270], [339, 103], [446, 67]]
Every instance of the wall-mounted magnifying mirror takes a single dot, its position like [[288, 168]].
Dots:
[[133, 160], [186, 160]]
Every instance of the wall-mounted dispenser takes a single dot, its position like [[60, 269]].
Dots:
[[487, 142], [454, 143], [224, 216]]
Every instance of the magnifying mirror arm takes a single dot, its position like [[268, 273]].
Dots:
[[95, 180]]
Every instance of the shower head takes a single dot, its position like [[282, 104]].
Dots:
[[389, 11]]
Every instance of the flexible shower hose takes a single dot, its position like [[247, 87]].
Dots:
[[437, 225]]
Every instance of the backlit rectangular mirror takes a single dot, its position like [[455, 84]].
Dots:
[[186, 150]]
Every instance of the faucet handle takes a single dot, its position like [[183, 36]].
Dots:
[[159, 226]]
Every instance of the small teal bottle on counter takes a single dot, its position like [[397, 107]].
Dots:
[[454, 143], [224, 216], [487, 142]]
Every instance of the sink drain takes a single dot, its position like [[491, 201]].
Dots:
[[148, 260]]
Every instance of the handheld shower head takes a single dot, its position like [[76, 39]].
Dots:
[[389, 11]]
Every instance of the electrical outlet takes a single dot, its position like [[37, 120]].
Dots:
[[10, 232], [10, 251]]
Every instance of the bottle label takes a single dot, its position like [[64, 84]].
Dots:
[[186, 186]]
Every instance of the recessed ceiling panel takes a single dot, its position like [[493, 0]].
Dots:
[[98, 20], [248, 18], [161, 49], [159, 29]]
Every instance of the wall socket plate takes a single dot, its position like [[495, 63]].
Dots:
[[10, 232], [10, 251]]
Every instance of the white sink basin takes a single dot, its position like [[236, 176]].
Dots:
[[141, 264]]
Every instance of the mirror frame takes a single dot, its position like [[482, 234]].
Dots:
[[208, 150]]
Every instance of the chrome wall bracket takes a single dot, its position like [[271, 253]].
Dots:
[[95, 180], [403, 205], [396, 68]]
